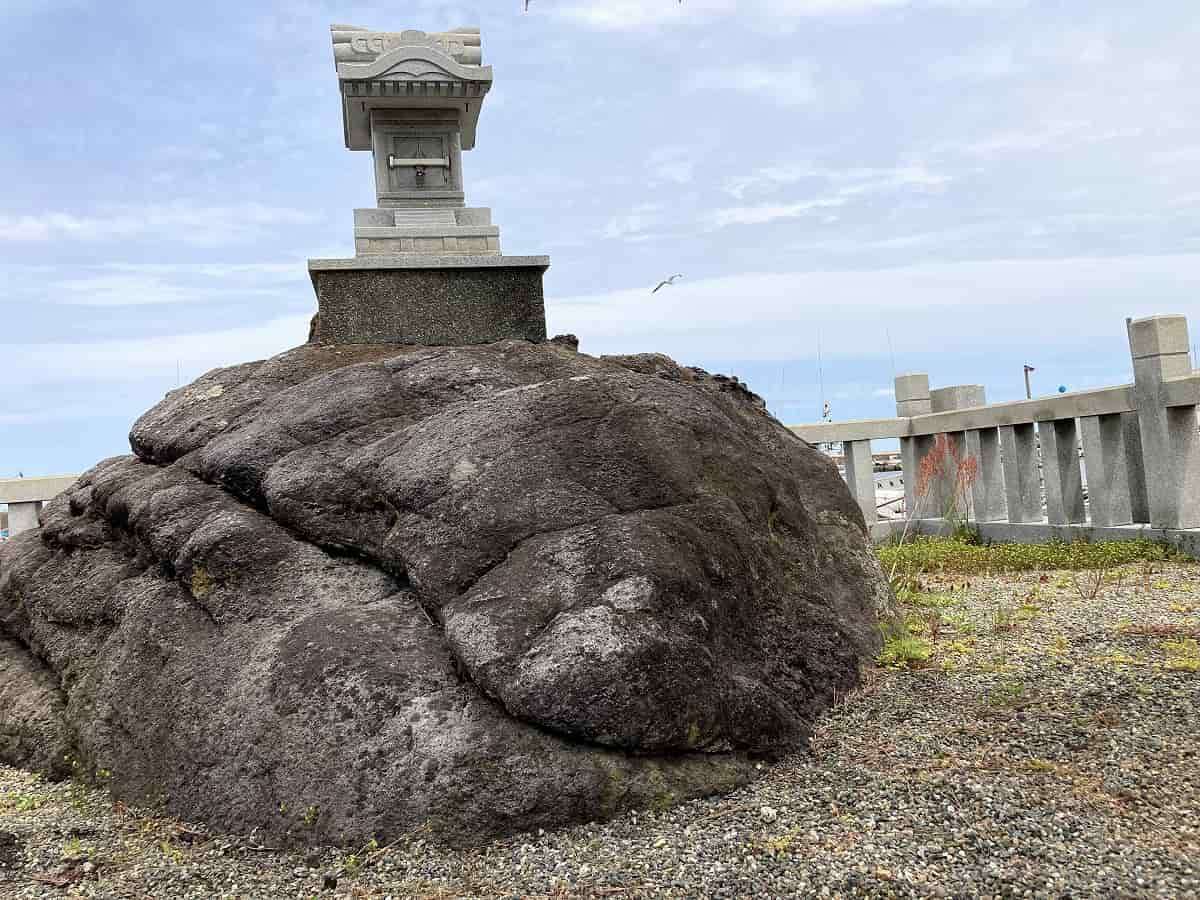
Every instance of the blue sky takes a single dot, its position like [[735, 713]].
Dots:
[[976, 183]]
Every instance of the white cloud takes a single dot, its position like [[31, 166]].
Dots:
[[529, 186], [160, 356], [1077, 47], [182, 222], [792, 85], [849, 181], [1054, 135], [973, 307], [624, 15], [1185, 156], [636, 224], [981, 63], [43, 415], [189, 153], [767, 212], [120, 284], [629, 14], [675, 165]]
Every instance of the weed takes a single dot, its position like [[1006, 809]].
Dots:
[[772, 518], [1007, 694], [905, 650], [309, 819], [780, 844], [930, 601], [1088, 584], [202, 583], [933, 624], [170, 852], [1060, 647], [354, 863], [962, 623], [1117, 659], [1004, 618], [1182, 656], [21, 802], [1027, 611], [1161, 630], [78, 791]]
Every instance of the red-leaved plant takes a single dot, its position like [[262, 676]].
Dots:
[[944, 464]]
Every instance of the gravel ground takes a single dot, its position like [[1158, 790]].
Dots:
[[1050, 746]]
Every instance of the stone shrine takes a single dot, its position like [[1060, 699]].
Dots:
[[427, 269]]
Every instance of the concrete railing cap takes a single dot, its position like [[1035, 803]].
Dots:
[[1158, 335], [30, 490], [912, 386]]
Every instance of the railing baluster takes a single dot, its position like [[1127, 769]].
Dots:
[[1107, 466], [1060, 470], [1022, 493], [987, 491], [1135, 468]]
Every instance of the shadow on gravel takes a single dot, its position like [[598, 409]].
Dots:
[[11, 849]]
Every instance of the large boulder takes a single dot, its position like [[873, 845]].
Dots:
[[352, 591]]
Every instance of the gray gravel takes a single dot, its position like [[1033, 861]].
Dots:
[[1050, 747]]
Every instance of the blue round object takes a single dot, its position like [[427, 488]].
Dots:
[[1062, 388]]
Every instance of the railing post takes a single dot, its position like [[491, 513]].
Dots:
[[1170, 443], [860, 476], [23, 516], [1107, 465], [1060, 471], [912, 399], [1022, 492]]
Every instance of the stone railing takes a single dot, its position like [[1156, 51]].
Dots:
[[25, 497], [1140, 452]]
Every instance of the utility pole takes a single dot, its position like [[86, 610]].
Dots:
[[1028, 389]]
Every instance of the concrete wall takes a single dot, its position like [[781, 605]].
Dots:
[[25, 496]]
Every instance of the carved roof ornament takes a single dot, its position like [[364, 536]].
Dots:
[[352, 44], [406, 70]]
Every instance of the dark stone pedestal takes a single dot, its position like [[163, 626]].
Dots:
[[437, 300]]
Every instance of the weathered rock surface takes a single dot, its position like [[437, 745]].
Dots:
[[351, 591]]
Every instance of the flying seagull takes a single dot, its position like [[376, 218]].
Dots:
[[666, 283]]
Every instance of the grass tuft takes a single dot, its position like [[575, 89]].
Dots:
[[905, 651], [928, 555]]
